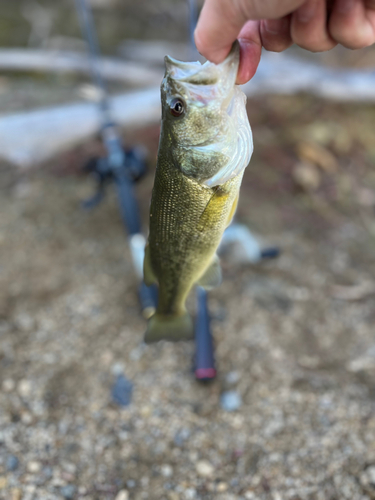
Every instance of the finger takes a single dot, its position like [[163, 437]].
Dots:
[[216, 30], [275, 34], [220, 22], [309, 27], [352, 23], [250, 51]]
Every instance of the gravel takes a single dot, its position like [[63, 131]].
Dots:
[[297, 357]]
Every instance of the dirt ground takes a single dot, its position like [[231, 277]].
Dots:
[[294, 336]]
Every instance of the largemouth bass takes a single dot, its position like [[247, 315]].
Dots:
[[205, 146]]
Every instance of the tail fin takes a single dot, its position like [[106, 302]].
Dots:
[[169, 327]]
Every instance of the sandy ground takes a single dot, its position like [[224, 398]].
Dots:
[[294, 337]]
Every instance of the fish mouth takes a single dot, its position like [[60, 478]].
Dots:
[[195, 73]]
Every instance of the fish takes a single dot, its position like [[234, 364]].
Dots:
[[205, 145]]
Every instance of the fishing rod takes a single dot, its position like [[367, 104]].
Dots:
[[121, 166]]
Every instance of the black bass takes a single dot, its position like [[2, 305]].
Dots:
[[205, 146]]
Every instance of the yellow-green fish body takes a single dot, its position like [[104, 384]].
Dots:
[[205, 144]]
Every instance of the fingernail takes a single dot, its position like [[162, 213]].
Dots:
[[345, 6], [307, 11]]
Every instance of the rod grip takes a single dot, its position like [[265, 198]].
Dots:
[[204, 368]]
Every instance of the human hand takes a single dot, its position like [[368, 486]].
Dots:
[[314, 25]]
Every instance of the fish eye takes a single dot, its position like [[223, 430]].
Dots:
[[177, 107]]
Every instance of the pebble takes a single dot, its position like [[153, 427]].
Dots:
[[122, 391], [233, 377], [204, 468], [12, 463], [368, 476], [118, 369], [3, 482], [190, 493], [8, 385], [48, 472], [221, 487], [68, 491], [172, 495], [249, 495], [130, 483], [230, 401], [307, 176], [15, 494], [181, 436], [122, 495], [166, 470], [24, 388], [34, 467], [26, 417]]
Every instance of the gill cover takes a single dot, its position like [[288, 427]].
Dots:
[[212, 142]]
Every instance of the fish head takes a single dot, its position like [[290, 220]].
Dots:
[[204, 119]]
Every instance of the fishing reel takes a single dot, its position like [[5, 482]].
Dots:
[[132, 167]]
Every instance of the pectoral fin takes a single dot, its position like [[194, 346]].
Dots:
[[212, 277], [148, 273], [214, 208]]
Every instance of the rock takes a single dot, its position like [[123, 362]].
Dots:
[[172, 495], [367, 477], [122, 391], [318, 155], [366, 197], [181, 436], [8, 385], [24, 388], [48, 472], [118, 369], [12, 463], [122, 495], [15, 494], [306, 176], [230, 401], [249, 495], [204, 468], [68, 491], [233, 377], [190, 493], [166, 470], [34, 467], [3, 482], [24, 322], [130, 483], [221, 487], [26, 417]]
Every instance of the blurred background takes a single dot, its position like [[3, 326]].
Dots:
[[86, 410]]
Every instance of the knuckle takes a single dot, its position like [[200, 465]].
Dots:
[[313, 42], [352, 40]]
